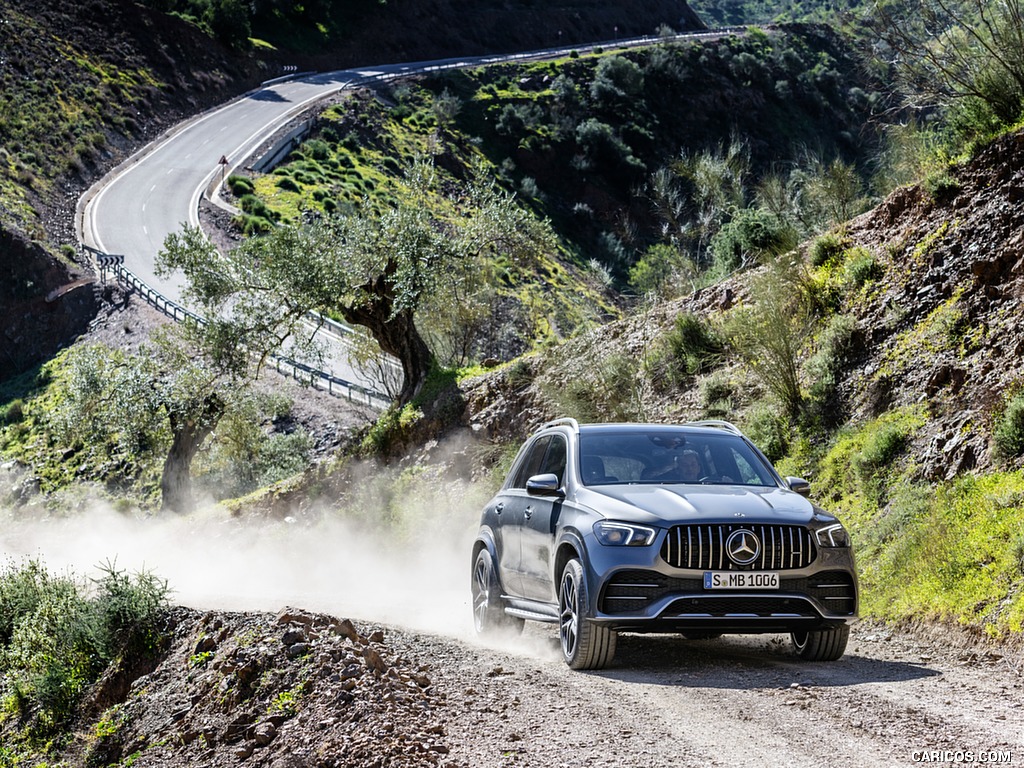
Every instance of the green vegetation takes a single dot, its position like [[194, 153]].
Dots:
[[769, 334], [102, 416], [385, 270], [963, 55], [557, 132], [690, 347], [59, 633], [608, 390], [60, 104], [1009, 430], [949, 552], [649, 172], [311, 25]]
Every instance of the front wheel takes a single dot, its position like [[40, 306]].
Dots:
[[822, 644], [586, 644], [489, 615]]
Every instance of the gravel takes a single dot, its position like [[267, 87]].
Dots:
[[304, 689]]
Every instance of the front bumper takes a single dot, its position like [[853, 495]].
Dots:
[[648, 601]]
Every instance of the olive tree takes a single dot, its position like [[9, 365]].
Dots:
[[376, 269], [160, 400]]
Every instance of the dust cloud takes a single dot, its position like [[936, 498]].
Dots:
[[212, 561], [410, 568]]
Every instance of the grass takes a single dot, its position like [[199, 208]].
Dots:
[[957, 554], [950, 551]]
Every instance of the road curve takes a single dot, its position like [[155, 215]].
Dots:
[[153, 194]]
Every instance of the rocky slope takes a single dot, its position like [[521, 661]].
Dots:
[[305, 690], [77, 117], [939, 327]]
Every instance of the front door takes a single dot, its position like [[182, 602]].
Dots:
[[537, 537]]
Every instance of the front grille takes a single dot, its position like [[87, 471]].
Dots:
[[633, 591], [703, 547]]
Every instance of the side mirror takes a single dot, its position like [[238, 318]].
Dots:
[[544, 485], [799, 485]]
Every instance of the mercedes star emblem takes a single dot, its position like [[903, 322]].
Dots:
[[742, 547]]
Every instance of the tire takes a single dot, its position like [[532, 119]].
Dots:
[[821, 645], [586, 644], [489, 617]]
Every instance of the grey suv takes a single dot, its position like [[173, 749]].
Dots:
[[659, 528]]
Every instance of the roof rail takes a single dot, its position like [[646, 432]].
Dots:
[[559, 422], [727, 426]]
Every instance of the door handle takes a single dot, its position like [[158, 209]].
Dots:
[[528, 512], [498, 508]]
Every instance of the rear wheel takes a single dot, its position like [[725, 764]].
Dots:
[[586, 644], [489, 615], [822, 644]]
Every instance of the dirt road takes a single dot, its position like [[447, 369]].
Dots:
[[735, 701]]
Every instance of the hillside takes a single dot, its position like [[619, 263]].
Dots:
[[908, 359], [118, 74], [935, 325]]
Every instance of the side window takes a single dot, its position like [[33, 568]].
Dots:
[[554, 462], [747, 473], [531, 462]]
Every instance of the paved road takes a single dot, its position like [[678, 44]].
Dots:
[[153, 194], [158, 190]]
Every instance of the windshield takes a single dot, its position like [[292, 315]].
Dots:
[[670, 456]]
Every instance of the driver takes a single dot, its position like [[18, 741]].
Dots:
[[682, 467], [689, 467]]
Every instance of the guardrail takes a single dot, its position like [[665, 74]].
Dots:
[[286, 366]]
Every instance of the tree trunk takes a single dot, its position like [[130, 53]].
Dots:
[[188, 432], [397, 335]]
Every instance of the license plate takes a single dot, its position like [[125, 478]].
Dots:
[[740, 580]]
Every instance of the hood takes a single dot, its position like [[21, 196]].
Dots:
[[672, 504]]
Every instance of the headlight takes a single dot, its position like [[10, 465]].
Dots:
[[623, 534], [833, 536]]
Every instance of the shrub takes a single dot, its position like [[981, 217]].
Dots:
[[14, 412], [716, 396], [751, 235], [316, 149], [610, 393], [616, 79], [836, 347], [862, 267], [661, 271], [254, 206], [766, 426], [941, 186], [769, 334], [1009, 432], [828, 248], [131, 611], [240, 185], [56, 638], [692, 347], [879, 450]]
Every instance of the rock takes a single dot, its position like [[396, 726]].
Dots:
[[374, 661], [293, 636], [264, 733]]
